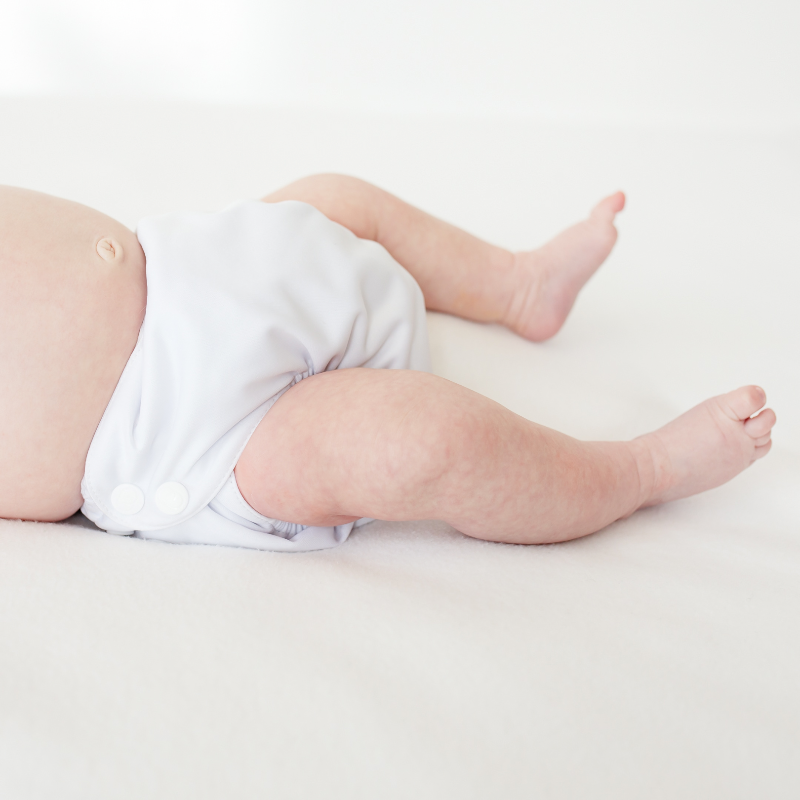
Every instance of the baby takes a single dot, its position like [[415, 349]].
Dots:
[[260, 377]]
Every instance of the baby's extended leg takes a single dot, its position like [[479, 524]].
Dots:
[[530, 292], [403, 445]]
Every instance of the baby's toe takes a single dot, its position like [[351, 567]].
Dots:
[[609, 207], [743, 403], [760, 426]]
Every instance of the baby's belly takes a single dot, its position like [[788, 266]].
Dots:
[[65, 337]]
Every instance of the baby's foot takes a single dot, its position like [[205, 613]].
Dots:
[[705, 447], [548, 279]]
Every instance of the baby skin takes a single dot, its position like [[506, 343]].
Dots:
[[386, 444]]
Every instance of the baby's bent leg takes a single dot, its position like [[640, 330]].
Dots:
[[403, 445], [530, 292]]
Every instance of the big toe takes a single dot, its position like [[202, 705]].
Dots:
[[761, 426], [609, 207], [744, 402]]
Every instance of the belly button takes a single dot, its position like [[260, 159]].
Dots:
[[109, 249]]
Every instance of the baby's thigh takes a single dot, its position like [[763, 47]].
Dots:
[[347, 444], [282, 470]]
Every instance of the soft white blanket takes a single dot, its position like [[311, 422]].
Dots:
[[658, 658]]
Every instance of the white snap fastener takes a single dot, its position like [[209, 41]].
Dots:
[[127, 498], [172, 497]]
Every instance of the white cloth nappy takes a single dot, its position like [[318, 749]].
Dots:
[[241, 305]]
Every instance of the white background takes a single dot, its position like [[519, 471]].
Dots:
[[706, 63]]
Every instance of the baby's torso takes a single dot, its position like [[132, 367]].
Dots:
[[66, 333]]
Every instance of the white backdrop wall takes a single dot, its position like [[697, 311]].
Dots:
[[708, 63]]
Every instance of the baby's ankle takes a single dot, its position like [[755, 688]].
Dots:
[[524, 306], [648, 468]]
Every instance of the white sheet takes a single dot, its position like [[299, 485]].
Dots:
[[658, 658]]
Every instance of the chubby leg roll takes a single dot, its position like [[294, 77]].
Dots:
[[403, 445]]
